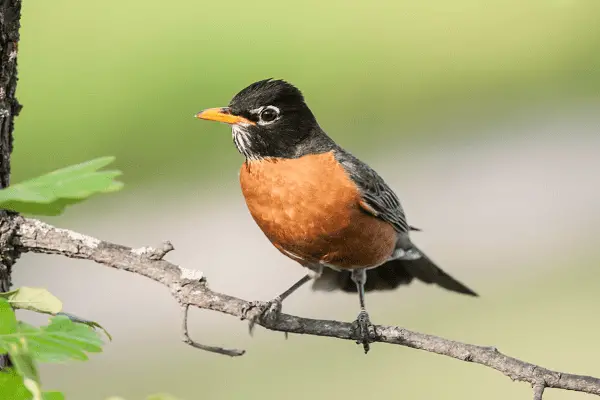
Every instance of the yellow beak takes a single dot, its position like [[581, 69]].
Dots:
[[222, 114]]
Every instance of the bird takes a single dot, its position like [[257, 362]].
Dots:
[[319, 205]]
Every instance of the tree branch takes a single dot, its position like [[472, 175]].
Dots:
[[538, 391], [188, 340], [10, 16], [189, 288]]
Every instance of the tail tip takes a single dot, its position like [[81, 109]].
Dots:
[[469, 292]]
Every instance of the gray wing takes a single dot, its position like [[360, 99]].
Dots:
[[378, 198]]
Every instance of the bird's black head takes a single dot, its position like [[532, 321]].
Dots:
[[269, 118]]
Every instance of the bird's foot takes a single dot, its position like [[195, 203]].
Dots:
[[365, 330], [267, 312]]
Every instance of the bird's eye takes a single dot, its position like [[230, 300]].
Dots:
[[269, 114]]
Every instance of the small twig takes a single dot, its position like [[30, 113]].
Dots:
[[538, 391], [155, 253], [213, 349], [191, 289]]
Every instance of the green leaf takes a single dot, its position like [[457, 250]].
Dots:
[[59, 341], [42, 301], [8, 320], [25, 366], [22, 360], [12, 387], [20, 356], [87, 322], [49, 194], [34, 299]]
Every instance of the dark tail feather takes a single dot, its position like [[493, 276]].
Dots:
[[385, 277], [390, 275], [425, 270]]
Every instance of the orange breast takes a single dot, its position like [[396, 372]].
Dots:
[[309, 209]]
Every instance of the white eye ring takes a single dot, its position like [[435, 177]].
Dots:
[[270, 111]]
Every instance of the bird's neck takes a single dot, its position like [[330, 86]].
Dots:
[[316, 142]]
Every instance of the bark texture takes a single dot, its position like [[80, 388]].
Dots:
[[10, 16]]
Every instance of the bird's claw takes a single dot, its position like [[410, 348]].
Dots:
[[267, 312], [365, 330]]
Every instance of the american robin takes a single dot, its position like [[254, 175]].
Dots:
[[318, 204]]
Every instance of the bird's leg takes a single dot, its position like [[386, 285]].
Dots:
[[366, 330], [270, 311]]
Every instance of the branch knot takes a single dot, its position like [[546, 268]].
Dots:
[[154, 253]]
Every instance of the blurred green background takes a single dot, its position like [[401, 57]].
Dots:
[[484, 116]]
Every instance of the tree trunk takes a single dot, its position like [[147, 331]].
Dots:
[[10, 15]]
